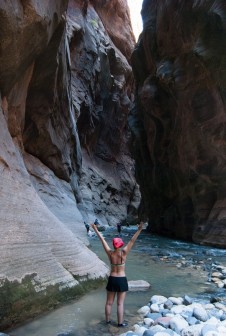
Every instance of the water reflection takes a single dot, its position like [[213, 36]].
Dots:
[[153, 259]]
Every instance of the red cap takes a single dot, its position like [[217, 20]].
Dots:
[[117, 242]]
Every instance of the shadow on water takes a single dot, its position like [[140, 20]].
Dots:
[[173, 268]]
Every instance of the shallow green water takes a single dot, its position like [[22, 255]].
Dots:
[[147, 261]]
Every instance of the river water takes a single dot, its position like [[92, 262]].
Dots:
[[172, 267]]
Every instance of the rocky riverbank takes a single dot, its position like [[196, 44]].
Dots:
[[183, 316], [177, 316], [160, 262]]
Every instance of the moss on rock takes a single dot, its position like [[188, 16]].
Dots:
[[20, 301]]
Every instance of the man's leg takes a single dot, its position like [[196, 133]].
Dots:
[[108, 305]]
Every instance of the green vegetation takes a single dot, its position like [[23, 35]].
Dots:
[[19, 301], [94, 23]]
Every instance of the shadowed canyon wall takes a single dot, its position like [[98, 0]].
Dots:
[[179, 119], [65, 92]]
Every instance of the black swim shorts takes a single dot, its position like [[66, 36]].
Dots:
[[117, 284]]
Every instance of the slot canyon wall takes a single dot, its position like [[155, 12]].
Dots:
[[65, 92], [179, 119]]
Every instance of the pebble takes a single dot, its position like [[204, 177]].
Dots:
[[178, 316], [218, 275]]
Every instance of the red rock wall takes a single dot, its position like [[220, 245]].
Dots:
[[102, 93], [180, 119], [65, 92], [116, 19]]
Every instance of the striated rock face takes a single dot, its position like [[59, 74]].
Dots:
[[101, 85], [65, 91], [179, 119]]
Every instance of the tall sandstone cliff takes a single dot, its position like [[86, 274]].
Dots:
[[179, 120], [65, 92]]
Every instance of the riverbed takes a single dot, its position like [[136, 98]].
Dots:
[[172, 267]]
